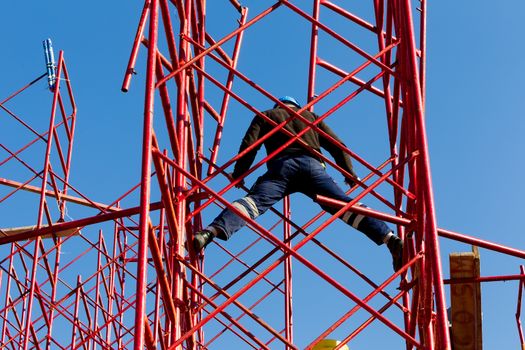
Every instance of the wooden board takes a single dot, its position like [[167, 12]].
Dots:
[[13, 231], [465, 315]]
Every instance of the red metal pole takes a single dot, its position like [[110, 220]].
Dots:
[[482, 243], [518, 308], [226, 97], [424, 168], [32, 287], [75, 314], [336, 70], [180, 180], [130, 70], [157, 313], [200, 83], [501, 278], [351, 17], [22, 89], [313, 54], [288, 295], [140, 308], [111, 278], [7, 295], [70, 136], [99, 278], [54, 293], [423, 50]]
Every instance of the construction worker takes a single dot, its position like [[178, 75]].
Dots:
[[294, 169]]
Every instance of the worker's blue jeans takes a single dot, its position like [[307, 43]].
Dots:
[[287, 175]]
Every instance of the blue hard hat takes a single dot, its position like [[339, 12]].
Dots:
[[288, 99]]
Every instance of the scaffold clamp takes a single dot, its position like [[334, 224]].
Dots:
[[50, 64]]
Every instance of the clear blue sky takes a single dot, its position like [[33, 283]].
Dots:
[[475, 124]]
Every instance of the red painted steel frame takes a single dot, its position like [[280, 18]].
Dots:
[[135, 281], [518, 309]]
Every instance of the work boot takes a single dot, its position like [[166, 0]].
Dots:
[[395, 245], [201, 239]]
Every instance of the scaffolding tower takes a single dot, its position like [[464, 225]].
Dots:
[[134, 281]]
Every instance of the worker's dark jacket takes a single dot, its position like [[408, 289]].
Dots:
[[260, 127]]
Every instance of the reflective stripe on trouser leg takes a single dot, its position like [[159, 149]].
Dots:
[[228, 222], [373, 228], [353, 219], [247, 206]]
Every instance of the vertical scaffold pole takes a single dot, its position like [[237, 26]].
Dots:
[[414, 92], [182, 134], [140, 311], [288, 290], [41, 209]]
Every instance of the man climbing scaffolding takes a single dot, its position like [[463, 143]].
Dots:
[[294, 169]]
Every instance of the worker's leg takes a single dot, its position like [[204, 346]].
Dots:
[[267, 190], [320, 183]]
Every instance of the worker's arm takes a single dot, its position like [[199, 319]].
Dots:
[[341, 157], [252, 135]]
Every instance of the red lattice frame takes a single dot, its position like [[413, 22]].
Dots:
[[149, 288]]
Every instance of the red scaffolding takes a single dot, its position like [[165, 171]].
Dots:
[[136, 282]]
